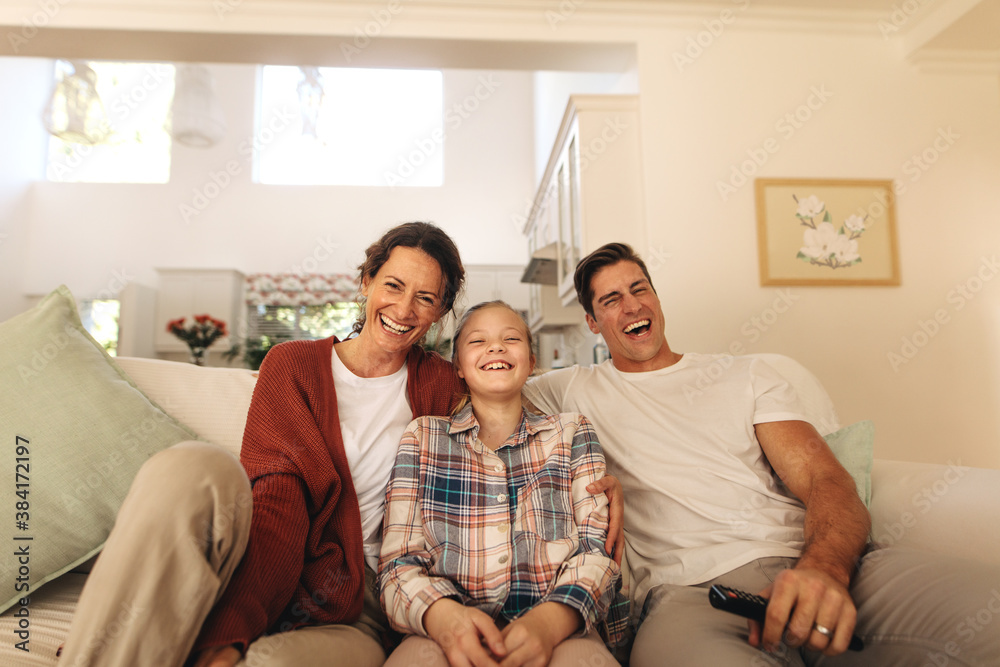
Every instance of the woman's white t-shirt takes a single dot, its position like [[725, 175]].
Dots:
[[374, 412]]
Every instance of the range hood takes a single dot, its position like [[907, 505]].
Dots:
[[543, 267]]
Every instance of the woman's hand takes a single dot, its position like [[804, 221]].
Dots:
[[218, 656], [464, 634], [612, 488]]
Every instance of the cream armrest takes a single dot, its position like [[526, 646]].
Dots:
[[946, 509], [213, 402]]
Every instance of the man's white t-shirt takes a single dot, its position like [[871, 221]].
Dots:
[[374, 412], [701, 498]]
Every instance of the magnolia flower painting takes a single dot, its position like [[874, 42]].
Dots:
[[822, 243], [816, 232]]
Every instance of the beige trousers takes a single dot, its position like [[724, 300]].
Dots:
[[587, 651], [177, 539], [178, 536]]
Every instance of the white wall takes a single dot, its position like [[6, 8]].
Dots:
[[21, 164], [698, 120], [701, 120], [91, 235]]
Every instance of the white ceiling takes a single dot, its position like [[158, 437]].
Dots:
[[926, 31], [967, 25]]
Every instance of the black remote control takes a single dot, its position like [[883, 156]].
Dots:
[[752, 606]]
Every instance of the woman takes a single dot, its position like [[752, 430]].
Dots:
[[314, 524]]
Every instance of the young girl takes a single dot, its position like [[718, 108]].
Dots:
[[492, 548]]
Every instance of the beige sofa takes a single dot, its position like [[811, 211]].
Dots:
[[940, 508]]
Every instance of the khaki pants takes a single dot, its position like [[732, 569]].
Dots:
[[587, 651], [178, 537], [914, 609], [357, 645]]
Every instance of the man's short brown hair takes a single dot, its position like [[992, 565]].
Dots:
[[606, 255]]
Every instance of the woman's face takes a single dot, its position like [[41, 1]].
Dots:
[[403, 300], [494, 356]]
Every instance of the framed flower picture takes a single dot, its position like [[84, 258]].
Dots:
[[826, 232]]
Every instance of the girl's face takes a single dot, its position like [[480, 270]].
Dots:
[[494, 356], [403, 300]]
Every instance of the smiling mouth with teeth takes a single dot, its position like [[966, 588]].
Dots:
[[635, 326], [497, 366], [392, 326]]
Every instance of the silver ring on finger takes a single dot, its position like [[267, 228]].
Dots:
[[823, 630]]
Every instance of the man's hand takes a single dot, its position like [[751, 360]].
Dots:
[[612, 488], [804, 599], [531, 639], [835, 528], [218, 656], [466, 635]]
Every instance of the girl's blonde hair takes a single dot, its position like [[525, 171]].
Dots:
[[460, 327]]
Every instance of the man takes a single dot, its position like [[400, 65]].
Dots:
[[733, 487]]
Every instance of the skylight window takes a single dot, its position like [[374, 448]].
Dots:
[[135, 98], [371, 127]]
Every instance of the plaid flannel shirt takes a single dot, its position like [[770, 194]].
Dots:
[[500, 530]]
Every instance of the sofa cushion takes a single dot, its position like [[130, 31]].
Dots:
[[211, 401], [854, 447], [74, 429]]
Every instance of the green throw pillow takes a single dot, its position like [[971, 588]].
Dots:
[[854, 447], [74, 430]]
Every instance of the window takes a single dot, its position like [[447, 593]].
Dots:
[[295, 306], [134, 101], [100, 319], [269, 325], [372, 127], [274, 324]]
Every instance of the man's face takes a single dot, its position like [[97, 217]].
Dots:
[[627, 313]]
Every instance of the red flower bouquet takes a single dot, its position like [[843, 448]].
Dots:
[[199, 335]]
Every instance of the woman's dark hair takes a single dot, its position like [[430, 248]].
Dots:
[[423, 236], [606, 255]]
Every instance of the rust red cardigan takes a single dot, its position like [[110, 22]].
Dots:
[[304, 562]]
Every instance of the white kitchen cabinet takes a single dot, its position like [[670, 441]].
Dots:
[[488, 282], [590, 194], [190, 292]]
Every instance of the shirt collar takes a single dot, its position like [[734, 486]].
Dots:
[[531, 423]]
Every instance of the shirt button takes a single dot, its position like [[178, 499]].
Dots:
[[502, 498], [503, 559], [502, 528], [498, 468]]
